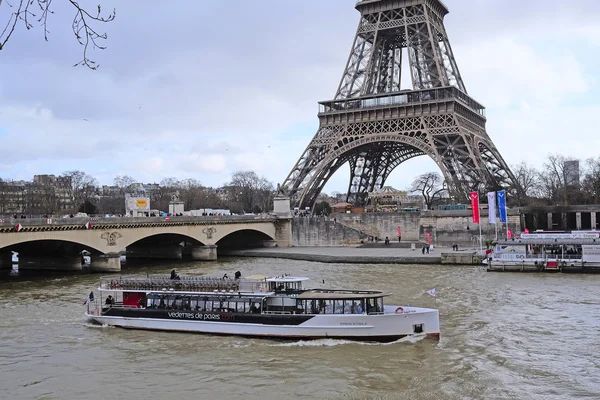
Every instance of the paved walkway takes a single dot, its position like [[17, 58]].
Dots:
[[350, 254]]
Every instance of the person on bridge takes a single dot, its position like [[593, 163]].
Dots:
[[237, 275], [174, 275]]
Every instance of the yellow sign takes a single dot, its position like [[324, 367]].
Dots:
[[141, 203]]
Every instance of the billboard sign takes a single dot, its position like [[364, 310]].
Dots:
[[137, 204]]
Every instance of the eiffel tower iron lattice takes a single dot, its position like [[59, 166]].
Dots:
[[375, 126]]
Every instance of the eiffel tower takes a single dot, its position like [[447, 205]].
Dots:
[[375, 126]]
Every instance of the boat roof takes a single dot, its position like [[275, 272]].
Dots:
[[340, 294]]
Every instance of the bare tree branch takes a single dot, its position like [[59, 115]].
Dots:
[[86, 35], [14, 18], [84, 32]]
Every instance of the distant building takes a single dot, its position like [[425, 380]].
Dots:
[[46, 194]]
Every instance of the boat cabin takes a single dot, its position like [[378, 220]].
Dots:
[[285, 284], [276, 295]]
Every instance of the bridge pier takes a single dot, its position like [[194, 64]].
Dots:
[[54, 263], [154, 252], [110, 262], [204, 253]]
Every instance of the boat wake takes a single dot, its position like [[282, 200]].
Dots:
[[96, 325], [342, 342]]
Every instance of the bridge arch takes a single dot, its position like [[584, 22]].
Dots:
[[164, 238], [244, 238], [26, 242]]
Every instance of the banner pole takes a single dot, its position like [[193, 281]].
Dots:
[[480, 239], [479, 212], [496, 229]]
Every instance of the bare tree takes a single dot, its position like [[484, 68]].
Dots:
[[591, 182], [528, 178], [555, 182], [82, 188], [29, 12], [124, 183], [251, 192], [190, 191], [431, 186]]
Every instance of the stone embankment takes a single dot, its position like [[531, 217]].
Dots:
[[364, 255]]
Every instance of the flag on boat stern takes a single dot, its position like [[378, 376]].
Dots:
[[431, 292], [89, 299]]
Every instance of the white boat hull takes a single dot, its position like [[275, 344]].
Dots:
[[385, 327]]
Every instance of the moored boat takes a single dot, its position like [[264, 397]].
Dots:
[[272, 307], [574, 251]]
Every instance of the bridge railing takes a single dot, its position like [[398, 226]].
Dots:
[[5, 222]]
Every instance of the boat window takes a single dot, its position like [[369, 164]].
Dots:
[[230, 306], [313, 307], [169, 301], [199, 304], [338, 307], [327, 307], [358, 306], [300, 306], [245, 306]]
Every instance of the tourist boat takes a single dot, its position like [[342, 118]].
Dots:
[[547, 252], [272, 307]]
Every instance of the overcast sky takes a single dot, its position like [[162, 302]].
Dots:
[[202, 89]]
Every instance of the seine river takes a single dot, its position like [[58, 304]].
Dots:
[[504, 336]]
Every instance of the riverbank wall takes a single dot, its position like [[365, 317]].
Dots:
[[443, 227]]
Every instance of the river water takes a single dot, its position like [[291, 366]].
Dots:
[[504, 336]]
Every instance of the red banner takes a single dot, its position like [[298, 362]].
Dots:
[[428, 237], [475, 206]]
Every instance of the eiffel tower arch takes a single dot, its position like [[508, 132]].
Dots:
[[375, 126]]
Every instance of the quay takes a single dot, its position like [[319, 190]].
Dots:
[[391, 254]]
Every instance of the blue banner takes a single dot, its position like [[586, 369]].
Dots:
[[502, 205]]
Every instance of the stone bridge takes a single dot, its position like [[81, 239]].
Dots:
[[58, 243]]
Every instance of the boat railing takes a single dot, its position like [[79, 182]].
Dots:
[[184, 284], [277, 312], [569, 257], [513, 256]]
